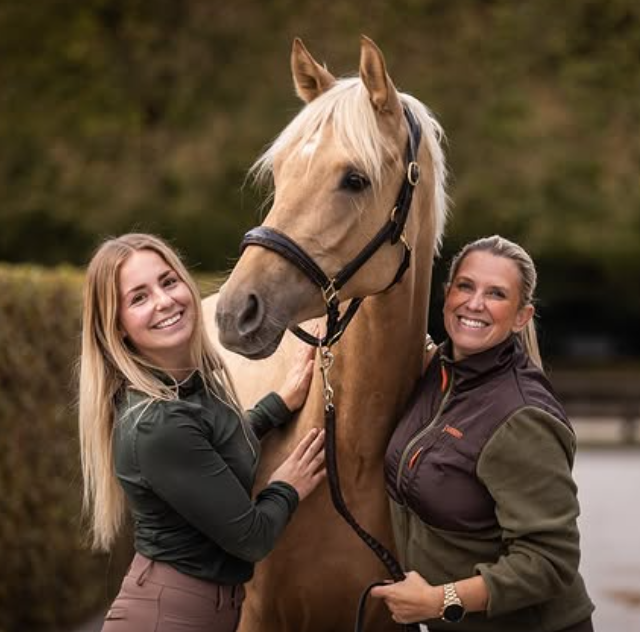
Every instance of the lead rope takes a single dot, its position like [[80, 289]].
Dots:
[[333, 477]]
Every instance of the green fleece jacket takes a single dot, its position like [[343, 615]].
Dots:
[[479, 475]]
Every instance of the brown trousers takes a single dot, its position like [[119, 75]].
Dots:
[[155, 597]]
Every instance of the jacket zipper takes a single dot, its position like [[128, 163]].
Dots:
[[448, 383]]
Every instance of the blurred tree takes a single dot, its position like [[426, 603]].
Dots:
[[128, 114]]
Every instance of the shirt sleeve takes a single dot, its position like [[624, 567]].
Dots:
[[526, 467], [270, 412], [179, 463]]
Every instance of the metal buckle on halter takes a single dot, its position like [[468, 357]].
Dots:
[[403, 239], [329, 293], [413, 173]]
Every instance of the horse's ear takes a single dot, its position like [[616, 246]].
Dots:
[[373, 72], [310, 78]]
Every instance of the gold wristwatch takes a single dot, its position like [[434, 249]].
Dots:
[[452, 610]]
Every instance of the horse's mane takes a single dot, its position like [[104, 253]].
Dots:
[[348, 108]]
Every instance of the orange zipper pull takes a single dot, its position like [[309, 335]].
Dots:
[[414, 458], [445, 378]]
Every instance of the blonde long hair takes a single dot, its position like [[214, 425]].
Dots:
[[108, 365], [501, 247]]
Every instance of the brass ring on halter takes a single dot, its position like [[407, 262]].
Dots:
[[413, 173], [394, 210]]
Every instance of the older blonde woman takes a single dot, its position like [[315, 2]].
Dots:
[[478, 470]]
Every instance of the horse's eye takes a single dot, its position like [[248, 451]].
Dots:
[[354, 182]]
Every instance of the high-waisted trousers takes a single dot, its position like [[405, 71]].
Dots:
[[155, 597]]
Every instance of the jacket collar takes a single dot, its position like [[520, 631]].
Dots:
[[474, 368]]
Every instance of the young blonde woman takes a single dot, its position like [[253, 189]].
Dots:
[[160, 428], [483, 502]]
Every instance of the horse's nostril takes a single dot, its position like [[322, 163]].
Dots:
[[250, 317]]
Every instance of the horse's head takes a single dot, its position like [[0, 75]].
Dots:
[[337, 169]]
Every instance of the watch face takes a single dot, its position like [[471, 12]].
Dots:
[[453, 613]]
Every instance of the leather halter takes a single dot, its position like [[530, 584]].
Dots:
[[392, 231]]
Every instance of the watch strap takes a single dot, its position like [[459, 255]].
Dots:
[[452, 608]]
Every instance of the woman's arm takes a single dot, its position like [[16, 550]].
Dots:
[[276, 409], [526, 466]]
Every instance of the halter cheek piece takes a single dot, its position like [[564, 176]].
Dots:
[[392, 231]]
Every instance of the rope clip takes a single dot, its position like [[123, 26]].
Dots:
[[326, 362]]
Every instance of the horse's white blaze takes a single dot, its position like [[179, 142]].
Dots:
[[309, 148]]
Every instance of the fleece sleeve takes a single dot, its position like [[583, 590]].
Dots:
[[526, 466]]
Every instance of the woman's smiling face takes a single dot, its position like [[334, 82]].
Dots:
[[156, 310], [483, 304]]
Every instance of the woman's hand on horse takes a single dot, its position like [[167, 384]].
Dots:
[[304, 469], [411, 600], [296, 384]]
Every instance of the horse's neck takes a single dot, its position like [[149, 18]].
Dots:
[[379, 360]]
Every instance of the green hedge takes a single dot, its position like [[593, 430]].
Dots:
[[49, 580]]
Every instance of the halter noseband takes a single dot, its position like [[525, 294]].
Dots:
[[392, 231]]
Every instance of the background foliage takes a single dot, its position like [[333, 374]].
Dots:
[[48, 578], [129, 114]]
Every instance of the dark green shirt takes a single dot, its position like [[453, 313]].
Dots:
[[187, 468]]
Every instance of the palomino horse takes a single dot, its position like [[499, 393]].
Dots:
[[337, 169]]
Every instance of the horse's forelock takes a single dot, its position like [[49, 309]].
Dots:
[[347, 107]]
